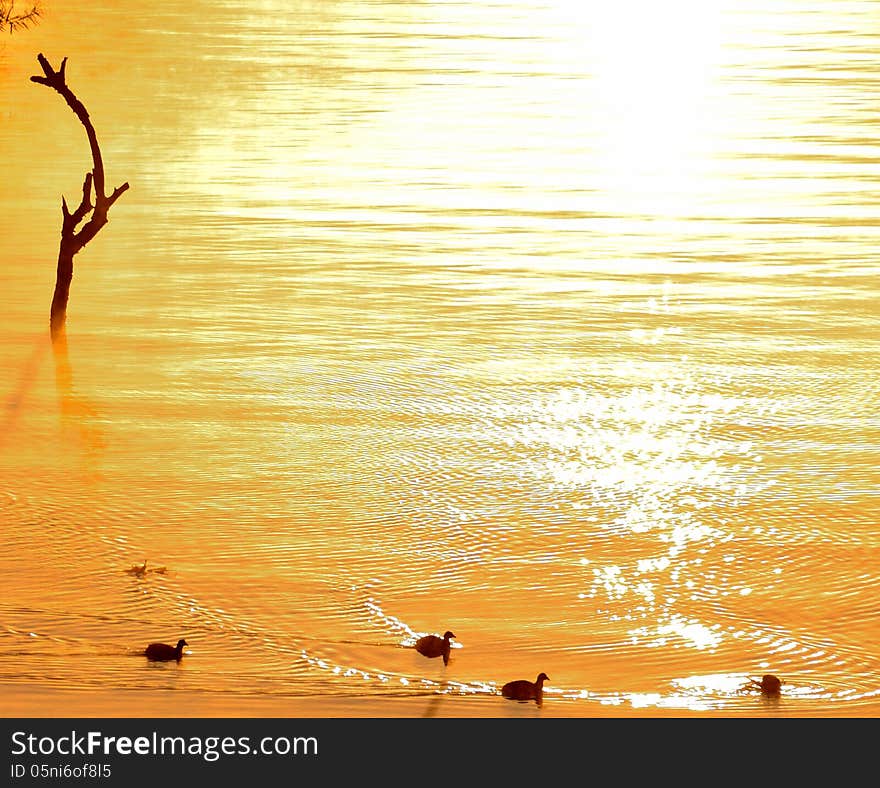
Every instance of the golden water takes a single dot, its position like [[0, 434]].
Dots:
[[550, 323]]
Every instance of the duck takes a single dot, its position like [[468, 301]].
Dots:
[[140, 571], [769, 685], [433, 646], [523, 689], [162, 652]]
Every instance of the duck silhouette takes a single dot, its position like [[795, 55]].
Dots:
[[769, 685], [526, 690], [434, 646], [162, 652], [141, 570], [138, 570]]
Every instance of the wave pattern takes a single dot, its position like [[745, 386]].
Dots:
[[434, 318]]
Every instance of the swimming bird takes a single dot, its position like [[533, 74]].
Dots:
[[140, 571], [769, 685], [525, 690], [162, 652], [433, 646]]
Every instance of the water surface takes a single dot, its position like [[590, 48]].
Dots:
[[552, 324]]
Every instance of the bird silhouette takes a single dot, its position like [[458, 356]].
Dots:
[[769, 685], [137, 569], [162, 652], [525, 690], [434, 646]]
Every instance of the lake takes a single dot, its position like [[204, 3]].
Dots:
[[553, 324]]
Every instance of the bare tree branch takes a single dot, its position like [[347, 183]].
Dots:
[[18, 21], [72, 240], [71, 220]]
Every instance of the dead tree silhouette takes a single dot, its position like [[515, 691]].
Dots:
[[95, 216], [13, 20]]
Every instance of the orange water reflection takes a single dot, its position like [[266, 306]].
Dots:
[[439, 316]]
